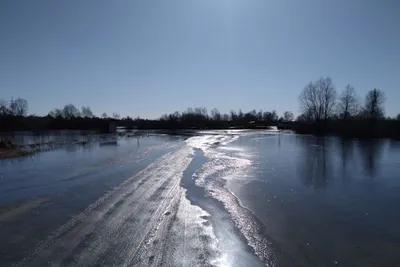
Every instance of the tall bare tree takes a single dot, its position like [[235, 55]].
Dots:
[[259, 115], [233, 115], [87, 112], [374, 108], [288, 116], [317, 100], [104, 115], [240, 114], [348, 105], [56, 113], [225, 117], [215, 114], [70, 111], [270, 116], [19, 107], [116, 116], [4, 108]]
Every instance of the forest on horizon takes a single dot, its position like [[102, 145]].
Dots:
[[323, 111]]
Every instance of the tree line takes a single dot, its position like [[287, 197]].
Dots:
[[19, 108], [201, 118], [319, 102], [326, 112], [323, 111], [14, 117]]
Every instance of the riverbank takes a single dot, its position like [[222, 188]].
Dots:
[[20, 144], [13, 153], [9, 149]]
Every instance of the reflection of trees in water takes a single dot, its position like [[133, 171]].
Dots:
[[345, 150], [370, 151], [89, 146], [71, 148], [13, 137], [346, 153], [317, 165], [19, 160], [315, 161], [394, 146], [279, 140]]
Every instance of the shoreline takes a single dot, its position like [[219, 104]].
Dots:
[[15, 153]]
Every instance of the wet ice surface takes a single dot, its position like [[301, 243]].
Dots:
[[223, 198], [322, 201], [132, 225], [116, 206], [307, 201]]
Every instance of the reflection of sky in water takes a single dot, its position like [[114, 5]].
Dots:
[[297, 200], [55, 171], [320, 201], [324, 199]]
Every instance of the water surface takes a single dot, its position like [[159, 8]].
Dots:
[[322, 201], [220, 198]]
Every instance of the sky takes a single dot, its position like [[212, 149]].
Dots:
[[146, 57]]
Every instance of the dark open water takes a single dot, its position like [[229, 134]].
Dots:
[[322, 201]]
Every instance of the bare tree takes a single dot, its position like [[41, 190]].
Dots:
[[87, 112], [240, 114], [70, 111], [348, 105], [398, 117], [270, 116], [225, 117], [116, 116], [128, 118], [4, 108], [164, 117], [201, 112], [328, 95], [304, 118], [104, 115], [233, 115], [19, 107], [215, 114], [309, 102], [317, 100], [56, 113], [288, 116], [374, 101], [259, 115]]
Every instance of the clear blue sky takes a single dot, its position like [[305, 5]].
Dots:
[[145, 58]]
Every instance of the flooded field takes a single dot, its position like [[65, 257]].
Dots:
[[219, 198]]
